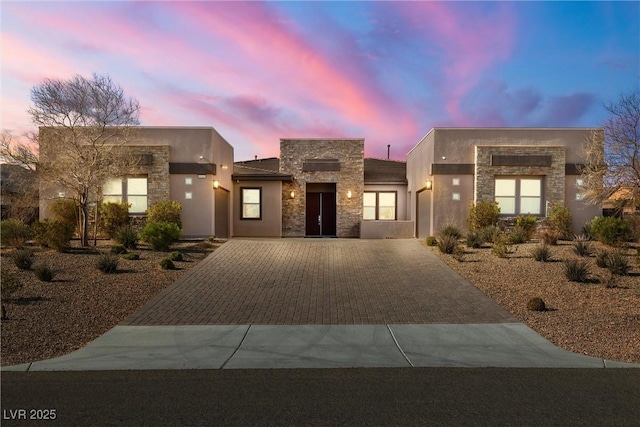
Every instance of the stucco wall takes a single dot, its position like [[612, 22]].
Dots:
[[271, 223], [350, 177]]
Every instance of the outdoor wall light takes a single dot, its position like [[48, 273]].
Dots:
[[429, 184], [349, 194], [216, 184], [292, 194]]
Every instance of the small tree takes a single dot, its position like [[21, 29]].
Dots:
[[613, 159], [82, 124]]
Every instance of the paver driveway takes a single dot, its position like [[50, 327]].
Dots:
[[320, 281]]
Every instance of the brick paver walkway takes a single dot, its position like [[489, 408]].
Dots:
[[320, 281]]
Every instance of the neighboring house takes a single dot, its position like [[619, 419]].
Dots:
[[326, 188], [524, 170], [621, 202], [18, 193]]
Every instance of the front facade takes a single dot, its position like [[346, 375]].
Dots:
[[327, 188]]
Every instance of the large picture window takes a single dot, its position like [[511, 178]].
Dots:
[[131, 190], [519, 196], [251, 202], [379, 205]]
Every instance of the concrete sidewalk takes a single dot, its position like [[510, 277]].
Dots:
[[505, 345], [314, 303]]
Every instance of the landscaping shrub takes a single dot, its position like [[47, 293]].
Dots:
[[483, 214], [458, 253], [582, 245], [118, 249], [576, 270], [14, 232], [113, 216], [536, 304], [431, 241], [518, 235], [447, 243], [616, 263], [601, 258], [44, 273], [65, 211], [53, 234], [167, 264], [559, 219], [451, 230], [176, 256], [528, 225], [131, 256], [541, 253], [501, 248], [126, 236], [633, 223], [586, 231], [610, 230], [107, 262], [160, 235], [491, 233], [474, 239], [165, 211], [23, 258], [548, 235]]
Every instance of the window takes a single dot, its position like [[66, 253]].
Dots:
[[455, 181], [132, 190], [517, 196], [379, 205], [188, 181], [251, 202], [455, 196]]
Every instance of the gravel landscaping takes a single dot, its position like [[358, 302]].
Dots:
[[49, 319], [588, 318]]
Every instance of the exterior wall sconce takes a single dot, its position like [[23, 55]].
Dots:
[[349, 194], [292, 194], [429, 184], [216, 184]]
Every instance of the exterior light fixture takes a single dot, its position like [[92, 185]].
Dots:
[[292, 194], [429, 184], [349, 194], [216, 184], [224, 167]]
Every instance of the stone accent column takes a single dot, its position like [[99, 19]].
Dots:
[[349, 154]]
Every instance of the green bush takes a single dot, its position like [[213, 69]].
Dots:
[[118, 249], [44, 273], [127, 236], [431, 241], [610, 230], [447, 243], [559, 219], [633, 223], [501, 248], [474, 239], [483, 214], [107, 262], [536, 304], [582, 245], [176, 256], [22, 258], [160, 235], [14, 232], [167, 264], [451, 230], [518, 235], [541, 253], [527, 223], [491, 233], [616, 263], [165, 211], [113, 216], [601, 258], [131, 256], [53, 234], [576, 270], [65, 211]]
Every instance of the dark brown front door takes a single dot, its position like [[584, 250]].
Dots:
[[321, 214]]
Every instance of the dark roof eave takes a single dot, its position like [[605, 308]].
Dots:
[[389, 181], [259, 177]]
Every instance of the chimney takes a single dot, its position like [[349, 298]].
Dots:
[[388, 150], [256, 158]]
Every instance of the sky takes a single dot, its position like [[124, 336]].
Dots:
[[387, 72]]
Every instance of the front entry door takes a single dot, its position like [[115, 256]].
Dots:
[[321, 214]]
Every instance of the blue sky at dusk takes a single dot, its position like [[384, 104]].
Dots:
[[385, 71]]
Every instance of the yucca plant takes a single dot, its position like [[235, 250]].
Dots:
[[617, 263], [541, 253], [447, 243], [23, 258], [582, 246], [44, 273], [576, 270], [108, 262]]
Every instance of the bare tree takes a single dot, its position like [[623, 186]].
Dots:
[[82, 126], [613, 159]]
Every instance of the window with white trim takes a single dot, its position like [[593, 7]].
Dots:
[[519, 196], [379, 205], [131, 190], [251, 203]]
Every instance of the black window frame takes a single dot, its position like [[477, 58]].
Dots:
[[395, 207], [242, 217]]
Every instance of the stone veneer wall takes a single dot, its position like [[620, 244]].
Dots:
[[350, 177], [157, 172], [554, 183]]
